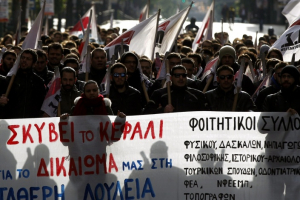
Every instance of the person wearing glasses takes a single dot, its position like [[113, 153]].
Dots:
[[222, 97], [183, 98], [123, 96], [287, 99], [274, 85]]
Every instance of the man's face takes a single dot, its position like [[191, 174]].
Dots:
[[68, 80], [41, 64], [174, 61], [274, 55], [227, 60], [74, 66], [146, 67], [189, 68], [130, 63], [8, 61], [98, 61], [119, 77], [26, 61], [179, 78], [57, 38], [55, 56], [206, 45], [277, 75], [225, 80], [287, 80]]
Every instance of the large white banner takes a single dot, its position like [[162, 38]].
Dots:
[[195, 155]]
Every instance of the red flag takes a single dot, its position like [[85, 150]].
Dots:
[[210, 68], [144, 13]]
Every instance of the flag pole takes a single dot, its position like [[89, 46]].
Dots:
[[88, 61], [81, 24], [18, 31], [168, 82], [239, 84], [157, 23], [58, 110], [14, 71], [148, 6], [208, 83], [255, 43]]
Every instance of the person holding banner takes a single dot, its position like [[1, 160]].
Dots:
[[28, 89], [287, 99], [183, 98], [222, 98], [7, 62], [123, 96]]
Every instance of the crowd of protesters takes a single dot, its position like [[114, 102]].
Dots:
[[187, 91]]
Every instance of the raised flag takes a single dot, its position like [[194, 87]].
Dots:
[[34, 35], [169, 29], [77, 29], [289, 42], [210, 68], [134, 39], [145, 12], [51, 101], [18, 31], [14, 69], [291, 11], [206, 28], [162, 73], [85, 41]]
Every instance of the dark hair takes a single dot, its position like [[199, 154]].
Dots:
[[71, 60], [98, 49], [277, 51], [117, 65], [224, 67], [176, 68], [272, 61], [90, 82], [33, 54], [72, 55], [68, 70], [195, 55], [188, 61], [55, 46], [173, 55], [280, 65], [9, 52], [145, 59], [41, 53]]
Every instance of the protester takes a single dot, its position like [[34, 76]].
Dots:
[[55, 56], [7, 62], [73, 63], [41, 69]]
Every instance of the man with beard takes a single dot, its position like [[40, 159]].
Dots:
[[41, 69], [98, 66], [287, 99], [7, 62], [123, 97], [183, 98], [27, 91], [73, 63], [222, 98], [55, 55]]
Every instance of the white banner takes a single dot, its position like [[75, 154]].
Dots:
[[4, 11], [195, 155]]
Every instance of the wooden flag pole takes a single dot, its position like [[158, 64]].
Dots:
[[208, 83]]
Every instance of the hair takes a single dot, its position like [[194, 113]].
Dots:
[[100, 50], [253, 50], [187, 42], [197, 56], [188, 61], [9, 52], [146, 59], [6, 37], [277, 51], [117, 65], [173, 55], [68, 70], [90, 82], [33, 54], [224, 67], [76, 52], [69, 42], [178, 67], [280, 65], [41, 53], [71, 60], [272, 61], [185, 50], [55, 46], [72, 55]]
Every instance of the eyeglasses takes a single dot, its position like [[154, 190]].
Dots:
[[178, 75], [229, 77], [119, 74]]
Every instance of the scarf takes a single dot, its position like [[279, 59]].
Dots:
[[84, 105]]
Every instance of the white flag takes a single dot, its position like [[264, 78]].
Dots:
[[206, 28], [289, 42], [34, 35], [14, 69], [291, 11], [139, 39], [144, 13], [105, 84], [85, 41], [210, 68], [77, 30], [168, 30], [52, 98]]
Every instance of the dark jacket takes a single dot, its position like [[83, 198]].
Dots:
[[95, 75], [282, 101], [79, 85], [3, 86], [67, 99], [46, 75], [272, 89], [182, 99], [128, 102], [3, 71], [26, 96], [218, 100]]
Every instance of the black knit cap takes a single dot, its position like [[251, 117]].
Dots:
[[292, 70]]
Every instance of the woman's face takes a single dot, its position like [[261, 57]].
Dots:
[[91, 91]]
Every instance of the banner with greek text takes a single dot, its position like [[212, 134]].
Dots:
[[193, 155]]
